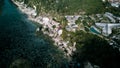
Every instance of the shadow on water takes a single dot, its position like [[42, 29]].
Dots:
[[1, 3], [18, 43]]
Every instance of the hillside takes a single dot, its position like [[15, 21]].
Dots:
[[86, 44], [65, 7]]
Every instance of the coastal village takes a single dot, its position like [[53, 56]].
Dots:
[[102, 25], [99, 24]]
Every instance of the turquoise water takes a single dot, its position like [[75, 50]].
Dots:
[[18, 41], [94, 31]]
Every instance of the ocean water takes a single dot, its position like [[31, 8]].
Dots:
[[18, 42]]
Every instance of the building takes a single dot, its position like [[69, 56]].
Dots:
[[71, 22], [110, 16], [107, 27], [115, 3], [113, 0]]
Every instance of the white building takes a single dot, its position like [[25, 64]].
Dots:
[[116, 4], [113, 0], [107, 28], [110, 16], [71, 25]]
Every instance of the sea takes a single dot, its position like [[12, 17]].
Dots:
[[19, 44]]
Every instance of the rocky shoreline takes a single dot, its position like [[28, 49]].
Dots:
[[48, 27]]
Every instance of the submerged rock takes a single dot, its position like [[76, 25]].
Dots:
[[20, 63]]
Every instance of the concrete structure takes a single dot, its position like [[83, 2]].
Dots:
[[113, 0], [72, 18], [110, 16], [107, 27], [116, 4], [71, 25]]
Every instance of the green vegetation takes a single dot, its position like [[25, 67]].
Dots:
[[115, 11], [65, 35], [85, 20], [96, 50], [64, 7], [89, 47], [115, 31]]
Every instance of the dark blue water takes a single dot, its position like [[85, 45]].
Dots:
[[18, 41]]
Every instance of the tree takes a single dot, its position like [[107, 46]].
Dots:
[[96, 50]]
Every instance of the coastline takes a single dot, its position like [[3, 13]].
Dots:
[[48, 24], [13, 3]]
